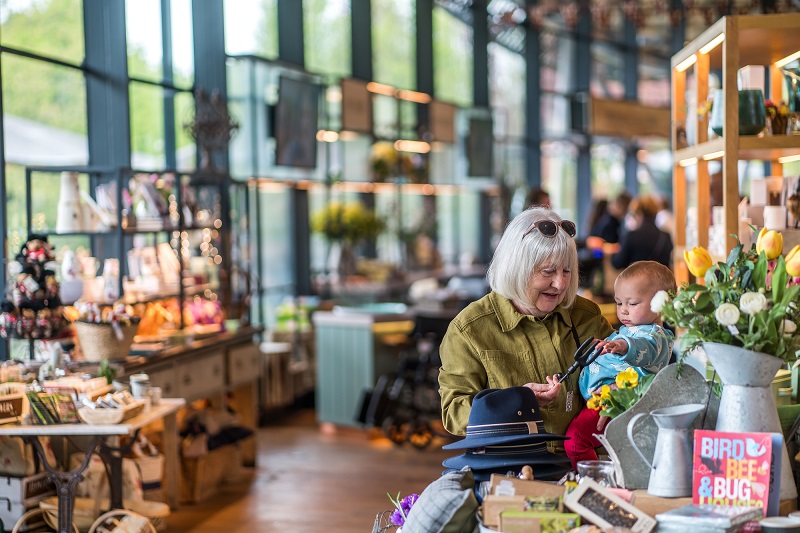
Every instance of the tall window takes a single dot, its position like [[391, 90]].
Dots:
[[251, 27], [161, 81], [452, 58], [44, 103], [507, 89], [326, 34], [393, 43]]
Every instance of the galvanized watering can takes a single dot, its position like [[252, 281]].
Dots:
[[671, 469]]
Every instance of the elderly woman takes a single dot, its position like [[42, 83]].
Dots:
[[526, 329]]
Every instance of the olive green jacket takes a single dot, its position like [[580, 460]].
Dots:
[[492, 345]]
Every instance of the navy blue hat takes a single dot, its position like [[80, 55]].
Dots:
[[502, 416], [505, 456]]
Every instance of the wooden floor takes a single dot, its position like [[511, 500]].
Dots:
[[313, 479]]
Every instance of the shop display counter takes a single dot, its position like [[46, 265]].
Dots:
[[355, 345]]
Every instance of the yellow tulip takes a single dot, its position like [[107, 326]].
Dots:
[[770, 242], [627, 379], [793, 261], [698, 261]]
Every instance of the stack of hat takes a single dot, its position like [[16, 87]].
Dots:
[[506, 432]]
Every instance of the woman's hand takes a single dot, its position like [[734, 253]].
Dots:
[[546, 392]]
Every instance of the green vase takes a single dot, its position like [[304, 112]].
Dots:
[[752, 118]]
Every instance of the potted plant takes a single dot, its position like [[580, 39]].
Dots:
[[347, 224]]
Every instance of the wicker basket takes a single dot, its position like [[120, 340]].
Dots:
[[99, 341]]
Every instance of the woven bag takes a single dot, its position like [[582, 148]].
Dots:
[[99, 341]]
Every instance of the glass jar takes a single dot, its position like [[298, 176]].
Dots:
[[601, 472]]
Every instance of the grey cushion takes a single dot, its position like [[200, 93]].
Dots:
[[448, 505]]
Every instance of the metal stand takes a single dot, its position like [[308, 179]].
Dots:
[[65, 482], [112, 457]]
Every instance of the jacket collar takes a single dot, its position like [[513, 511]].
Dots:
[[509, 317]]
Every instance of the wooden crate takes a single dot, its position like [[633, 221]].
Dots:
[[202, 477]]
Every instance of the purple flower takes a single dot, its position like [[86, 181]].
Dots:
[[397, 518], [402, 508]]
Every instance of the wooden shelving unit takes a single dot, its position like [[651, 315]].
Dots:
[[728, 45]]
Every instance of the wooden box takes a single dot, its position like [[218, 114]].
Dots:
[[201, 477]]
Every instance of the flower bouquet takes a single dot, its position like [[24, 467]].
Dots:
[[383, 160], [749, 301], [778, 116], [630, 388], [349, 223], [397, 517]]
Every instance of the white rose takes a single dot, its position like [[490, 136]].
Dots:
[[752, 302], [658, 301], [727, 314], [788, 327]]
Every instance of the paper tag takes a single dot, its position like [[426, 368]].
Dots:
[[733, 329], [570, 395], [505, 488], [117, 330]]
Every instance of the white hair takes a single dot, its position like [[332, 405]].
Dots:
[[516, 259]]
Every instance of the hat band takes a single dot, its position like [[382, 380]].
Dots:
[[503, 430], [505, 451]]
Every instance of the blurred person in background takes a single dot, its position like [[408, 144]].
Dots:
[[537, 197], [643, 241]]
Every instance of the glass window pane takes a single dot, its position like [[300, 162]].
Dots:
[[560, 176], [507, 90], [452, 58], [44, 113], [557, 72], [145, 47], [607, 21], [393, 43], [654, 83], [326, 34], [608, 170], [51, 28], [555, 113], [186, 156], [147, 126], [607, 72], [182, 43], [251, 27]]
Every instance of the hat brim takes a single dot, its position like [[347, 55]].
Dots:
[[475, 441], [477, 461], [540, 473]]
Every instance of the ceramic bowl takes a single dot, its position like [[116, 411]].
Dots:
[[780, 524], [100, 416]]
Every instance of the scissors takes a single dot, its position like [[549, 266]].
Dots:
[[584, 356]]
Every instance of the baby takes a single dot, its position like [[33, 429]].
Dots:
[[642, 343]]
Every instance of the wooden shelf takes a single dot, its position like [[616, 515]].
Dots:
[[747, 40], [751, 147]]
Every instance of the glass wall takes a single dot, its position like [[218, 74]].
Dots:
[[393, 43], [326, 35], [452, 58], [251, 27]]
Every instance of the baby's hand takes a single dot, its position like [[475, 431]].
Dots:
[[617, 346]]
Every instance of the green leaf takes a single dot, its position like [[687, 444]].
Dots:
[[734, 255], [779, 279], [747, 280], [760, 271]]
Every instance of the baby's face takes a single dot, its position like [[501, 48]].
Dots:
[[633, 302]]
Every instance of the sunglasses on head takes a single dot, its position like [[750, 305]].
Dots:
[[549, 228]]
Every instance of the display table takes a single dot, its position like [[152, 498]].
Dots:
[[66, 482]]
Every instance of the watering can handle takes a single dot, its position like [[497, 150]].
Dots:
[[631, 423]]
